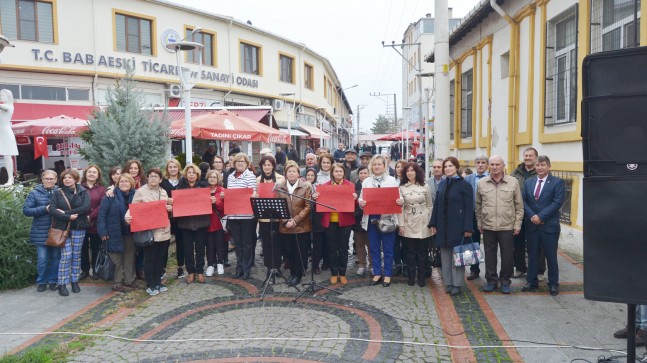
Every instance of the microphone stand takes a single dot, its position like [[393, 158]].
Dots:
[[312, 286]]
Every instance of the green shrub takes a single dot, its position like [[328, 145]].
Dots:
[[182, 159], [17, 255]]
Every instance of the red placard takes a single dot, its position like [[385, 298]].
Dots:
[[237, 201], [265, 190], [381, 200], [191, 202], [148, 215], [338, 196]]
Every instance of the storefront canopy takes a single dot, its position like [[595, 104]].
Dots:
[[294, 132], [315, 133], [399, 136]]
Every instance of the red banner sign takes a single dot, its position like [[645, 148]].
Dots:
[[338, 196], [381, 200], [191, 202], [237, 201], [148, 215]]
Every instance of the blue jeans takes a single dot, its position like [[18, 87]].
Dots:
[[47, 264], [381, 242], [641, 317]]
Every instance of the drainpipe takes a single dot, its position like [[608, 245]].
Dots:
[[512, 74], [231, 74]]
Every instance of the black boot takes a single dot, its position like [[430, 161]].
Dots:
[[41, 287], [75, 287], [62, 290]]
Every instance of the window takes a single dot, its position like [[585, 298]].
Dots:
[[250, 59], [308, 76], [45, 93], [286, 64], [14, 88], [207, 53], [561, 69], [134, 34], [612, 24], [452, 91], [78, 94], [466, 104], [27, 20]]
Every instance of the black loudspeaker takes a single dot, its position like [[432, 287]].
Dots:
[[614, 145], [614, 113], [615, 239]]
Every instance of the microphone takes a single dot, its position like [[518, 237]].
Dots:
[[276, 185]]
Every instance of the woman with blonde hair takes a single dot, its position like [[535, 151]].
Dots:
[[242, 226], [379, 241], [172, 176], [92, 181]]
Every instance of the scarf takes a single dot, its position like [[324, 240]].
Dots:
[[266, 179], [292, 187]]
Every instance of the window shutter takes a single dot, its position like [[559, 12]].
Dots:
[[45, 23]]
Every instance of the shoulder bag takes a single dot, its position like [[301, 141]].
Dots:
[[104, 268], [57, 237], [467, 254]]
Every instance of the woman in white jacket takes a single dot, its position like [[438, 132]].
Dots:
[[379, 241]]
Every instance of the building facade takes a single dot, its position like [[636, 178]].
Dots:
[[69, 52], [516, 82]]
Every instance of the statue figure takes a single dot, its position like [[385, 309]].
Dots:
[[8, 147]]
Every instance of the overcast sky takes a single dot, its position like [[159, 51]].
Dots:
[[349, 33]]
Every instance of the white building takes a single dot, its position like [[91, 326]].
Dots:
[[516, 82], [69, 52]]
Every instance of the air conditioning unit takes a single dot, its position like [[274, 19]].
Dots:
[[278, 104], [174, 91]]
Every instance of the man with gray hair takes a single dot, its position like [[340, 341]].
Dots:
[[311, 163], [481, 165], [499, 214]]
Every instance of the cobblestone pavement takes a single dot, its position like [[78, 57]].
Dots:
[[225, 320]]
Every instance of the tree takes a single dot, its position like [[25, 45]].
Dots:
[[123, 131], [382, 125]]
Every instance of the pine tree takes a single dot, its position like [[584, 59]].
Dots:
[[123, 131]]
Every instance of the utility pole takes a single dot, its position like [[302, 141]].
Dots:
[[359, 107], [395, 103], [441, 55]]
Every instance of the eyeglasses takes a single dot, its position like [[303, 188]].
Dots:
[[153, 176], [217, 162], [49, 179], [241, 161]]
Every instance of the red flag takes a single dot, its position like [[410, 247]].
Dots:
[[40, 147]]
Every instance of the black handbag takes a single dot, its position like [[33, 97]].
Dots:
[[143, 238], [104, 268]]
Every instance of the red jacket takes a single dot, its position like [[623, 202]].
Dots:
[[220, 207], [345, 218], [97, 193]]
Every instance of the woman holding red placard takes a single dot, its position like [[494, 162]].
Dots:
[[296, 230], [337, 226], [194, 228], [216, 244], [379, 241], [271, 254]]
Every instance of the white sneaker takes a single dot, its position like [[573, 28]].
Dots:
[[541, 277], [152, 292], [162, 288], [360, 271], [210, 271], [221, 269]]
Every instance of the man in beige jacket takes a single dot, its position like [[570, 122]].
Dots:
[[499, 214]]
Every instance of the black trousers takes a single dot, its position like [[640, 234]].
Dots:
[[476, 238], [154, 263], [179, 246], [216, 248], [194, 248], [492, 242], [243, 231], [417, 252], [337, 238], [318, 251], [299, 244], [271, 240], [399, 251], [90, 242]]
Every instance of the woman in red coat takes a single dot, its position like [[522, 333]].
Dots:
[[216, 244], [337, 228]]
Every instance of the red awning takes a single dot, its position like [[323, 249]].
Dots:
[[36, 111], [258, 115]]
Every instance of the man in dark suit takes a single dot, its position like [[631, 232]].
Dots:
[[543, 196]]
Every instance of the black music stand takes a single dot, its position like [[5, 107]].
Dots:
[[271, 208]]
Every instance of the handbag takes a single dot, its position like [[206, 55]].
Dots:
[[467, 254], [143, 238], [104, 268], [386, 224], [57, 237]]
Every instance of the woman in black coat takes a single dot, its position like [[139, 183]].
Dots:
[[115, 233], [451, 221], [76, 216], [194, 228]]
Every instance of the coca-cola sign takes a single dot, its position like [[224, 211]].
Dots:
[[59, 131]]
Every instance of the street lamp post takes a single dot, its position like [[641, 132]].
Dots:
[[187, 85], [289, 122]]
